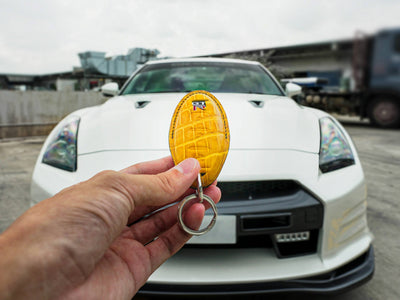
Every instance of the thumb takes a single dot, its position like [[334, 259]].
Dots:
[[166, 187]]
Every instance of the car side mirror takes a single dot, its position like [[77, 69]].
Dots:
[[110, 89], [292, 89]]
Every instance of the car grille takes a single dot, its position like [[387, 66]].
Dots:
[[265, 210], [253, 190]]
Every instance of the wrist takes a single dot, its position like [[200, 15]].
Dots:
[[9, 279], [21, 261]]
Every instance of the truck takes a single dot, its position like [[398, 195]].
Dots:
[[372, 88]]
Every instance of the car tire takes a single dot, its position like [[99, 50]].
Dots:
[[384, 112]]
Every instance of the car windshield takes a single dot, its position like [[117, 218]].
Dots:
[[210, 76]]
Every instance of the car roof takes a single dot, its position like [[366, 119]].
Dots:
[[201, 59]]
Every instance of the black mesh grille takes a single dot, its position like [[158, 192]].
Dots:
[[253, 190]]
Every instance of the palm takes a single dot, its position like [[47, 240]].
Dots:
[[113, 277], [135, 254], [78, 241]]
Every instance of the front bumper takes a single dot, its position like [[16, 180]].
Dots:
[[331, 205], [349, 276], [263, 209]]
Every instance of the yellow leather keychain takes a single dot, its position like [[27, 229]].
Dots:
[[199, 129]]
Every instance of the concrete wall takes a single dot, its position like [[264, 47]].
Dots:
[[27, 113]]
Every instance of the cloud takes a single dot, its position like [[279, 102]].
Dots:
[[45, 35]]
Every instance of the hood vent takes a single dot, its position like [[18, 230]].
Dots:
[[257, 103], [141, 104]]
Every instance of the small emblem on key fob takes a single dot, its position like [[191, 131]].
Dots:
[[199, 104]]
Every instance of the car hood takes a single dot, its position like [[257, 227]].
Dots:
[[141, 122]]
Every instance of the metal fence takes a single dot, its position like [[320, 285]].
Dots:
[[30, 113]]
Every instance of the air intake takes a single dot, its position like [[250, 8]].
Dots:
[[253, 190]]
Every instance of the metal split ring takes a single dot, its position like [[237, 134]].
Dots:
[[199, 195]]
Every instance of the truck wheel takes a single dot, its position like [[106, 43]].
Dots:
[[384, 112]]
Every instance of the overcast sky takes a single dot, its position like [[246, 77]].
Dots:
[[45, 36]]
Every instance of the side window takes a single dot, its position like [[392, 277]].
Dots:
[[396, 43]]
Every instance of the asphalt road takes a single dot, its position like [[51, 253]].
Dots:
[[380, 156]]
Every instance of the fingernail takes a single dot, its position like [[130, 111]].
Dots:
[[186, 166]]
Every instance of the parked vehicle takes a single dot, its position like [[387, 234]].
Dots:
[[372, 90], [293, 211]]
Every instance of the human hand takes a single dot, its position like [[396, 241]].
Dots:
[[78, 244]]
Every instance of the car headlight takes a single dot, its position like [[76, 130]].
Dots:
[[61, 150], [335, 152]]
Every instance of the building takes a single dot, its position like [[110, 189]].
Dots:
[[331, 60], [96, 69]]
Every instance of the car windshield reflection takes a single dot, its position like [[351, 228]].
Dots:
[[212, 77]]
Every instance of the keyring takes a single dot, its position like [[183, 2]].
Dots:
[[199, 194]]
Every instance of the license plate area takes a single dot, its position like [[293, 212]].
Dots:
[[223, 232]]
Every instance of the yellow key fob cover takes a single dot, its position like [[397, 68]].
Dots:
[[199, 129]]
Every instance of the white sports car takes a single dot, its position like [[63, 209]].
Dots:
[[293, 211]]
